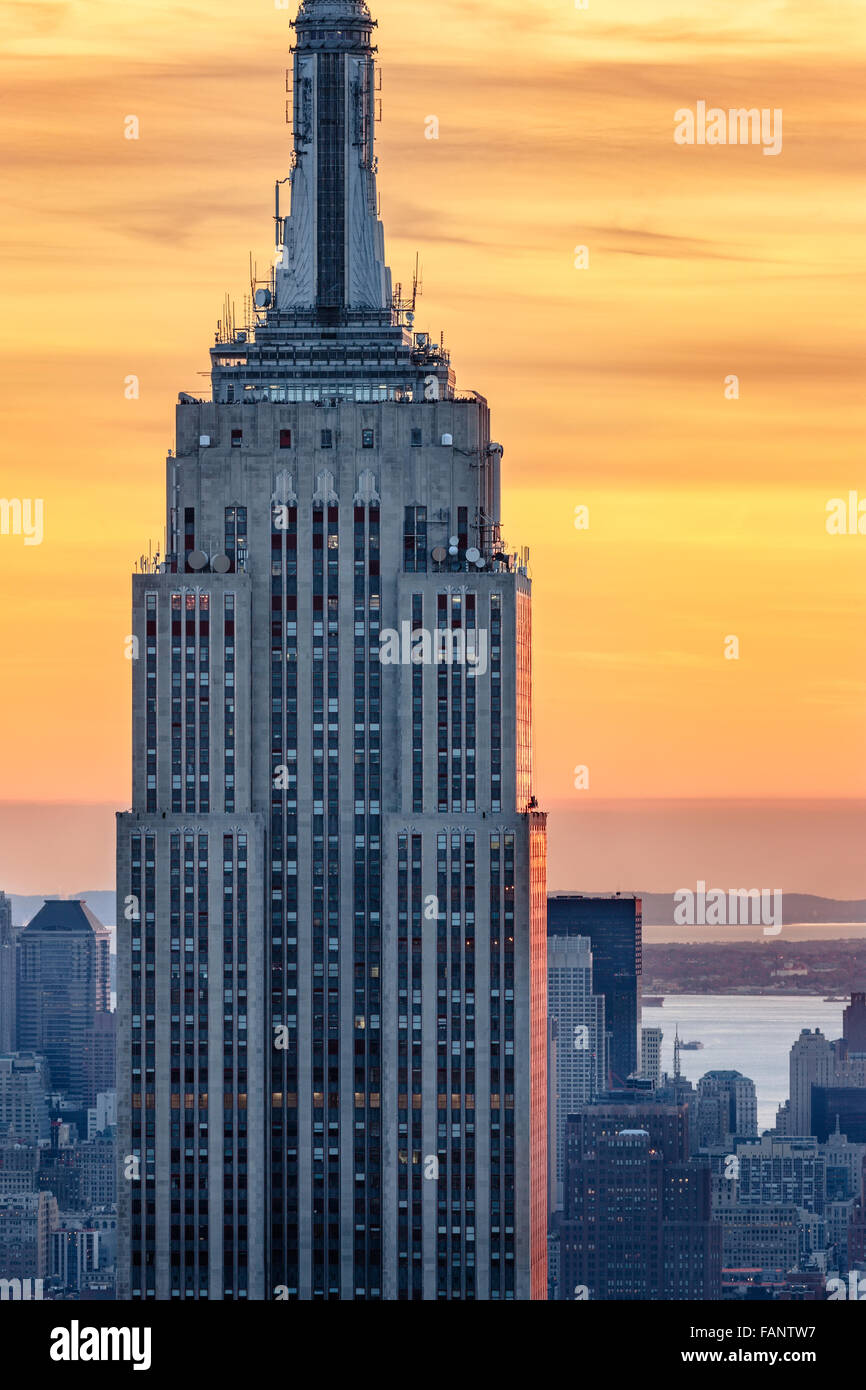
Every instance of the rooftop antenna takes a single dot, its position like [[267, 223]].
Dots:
[[278, 220], [417, 281]]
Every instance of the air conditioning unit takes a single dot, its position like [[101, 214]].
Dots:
[[204, 441], [447, 440]]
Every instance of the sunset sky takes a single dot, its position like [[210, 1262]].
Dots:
[[607, 385]]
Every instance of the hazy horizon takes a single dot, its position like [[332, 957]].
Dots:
[[651, 846]]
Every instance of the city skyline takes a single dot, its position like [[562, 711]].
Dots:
[[428, 981]]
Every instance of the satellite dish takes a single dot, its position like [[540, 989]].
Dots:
[[473, 554], [439, 554], [480, 562], [452, 550], [196, 559], [263, 299], [221, 564], [453, 540]]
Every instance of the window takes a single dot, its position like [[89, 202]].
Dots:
[[285, 439], [368, 439], [237, 438], [327, 439], [416, 438]]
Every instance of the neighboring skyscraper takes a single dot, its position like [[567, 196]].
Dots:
[[580, 1070], [8, 974], [331, 975], [613, 926], [62, 965]]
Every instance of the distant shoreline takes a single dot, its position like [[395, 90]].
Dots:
[[807, 966]]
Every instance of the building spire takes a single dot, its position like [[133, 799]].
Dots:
[[333, 258]]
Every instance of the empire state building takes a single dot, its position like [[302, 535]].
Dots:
[[331, 886]]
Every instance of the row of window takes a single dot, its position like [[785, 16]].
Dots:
[[368, 439]]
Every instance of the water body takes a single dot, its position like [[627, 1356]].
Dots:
[[748, 1033]]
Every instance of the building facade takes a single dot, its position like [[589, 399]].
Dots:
[[331, 978], [651, 1055], [614, 928], [638, 1222], [8, 977], [726, 1107], [23, 1104], [63, 982], [579, 1059]]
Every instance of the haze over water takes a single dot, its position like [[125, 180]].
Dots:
[[748, 1033]]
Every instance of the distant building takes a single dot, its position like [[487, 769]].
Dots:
[[103, 1115], [781, 1172], [839, 1107], [578, 1071], [854, 1024], [26, 1223], [726, 1106], [636, 1225], [759, 1240], [101, 1055], [857, 1225], [74, 1253], [23, 1107], [614, 928], [96, 1163], [667, 1125], [844, 1165], [8, 977], [63, 982], [18, 1167], [812, 1063], [651, 1055]]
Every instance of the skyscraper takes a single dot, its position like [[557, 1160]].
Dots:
[[579, 1073], [62, 985], [331, 887], [614, 928]]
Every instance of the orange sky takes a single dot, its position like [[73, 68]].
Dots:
[[606, 385]]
